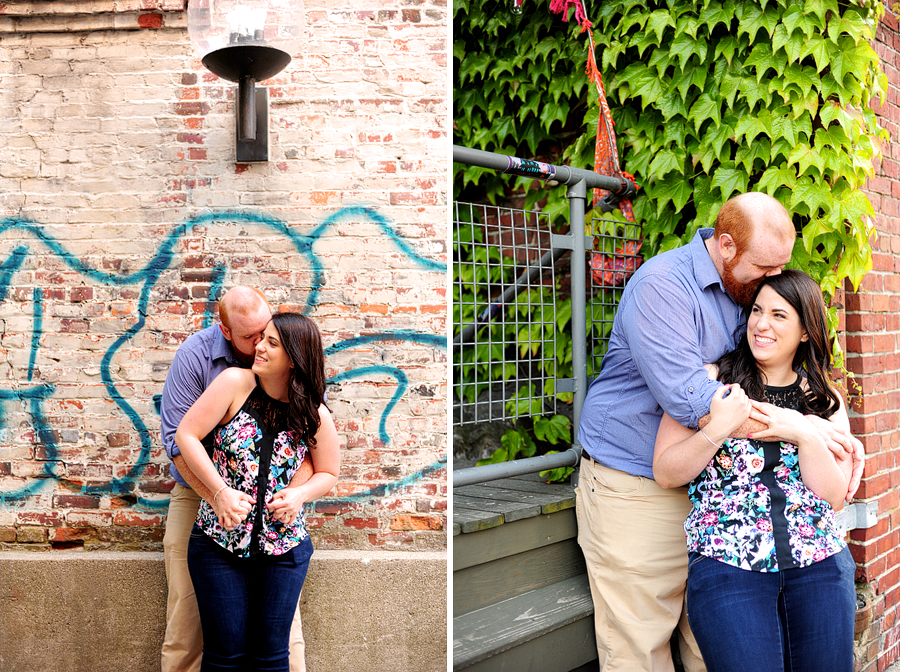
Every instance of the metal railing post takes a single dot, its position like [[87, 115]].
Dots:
[[577, 194]]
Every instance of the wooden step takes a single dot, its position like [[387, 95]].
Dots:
[[551, 628], [509, 516], [487, 583]]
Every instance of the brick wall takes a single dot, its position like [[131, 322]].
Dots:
[[122, 211], [873, 325]]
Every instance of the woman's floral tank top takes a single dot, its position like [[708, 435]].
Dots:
[[751, 508], [240, 450]]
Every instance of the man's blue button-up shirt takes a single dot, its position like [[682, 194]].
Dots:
[[198, 361], [674, 317]]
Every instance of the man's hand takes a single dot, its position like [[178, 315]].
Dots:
[[842, 443]]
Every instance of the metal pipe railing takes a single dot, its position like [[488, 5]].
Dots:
[[529, 465], [579, 181], [566, 175], [577, 194]]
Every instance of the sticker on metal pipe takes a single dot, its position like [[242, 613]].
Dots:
[[529, 168]]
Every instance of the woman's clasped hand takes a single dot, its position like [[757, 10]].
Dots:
[[730, 408], [232, 507]]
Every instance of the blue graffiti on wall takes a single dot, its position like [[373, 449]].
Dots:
[[147, 278]]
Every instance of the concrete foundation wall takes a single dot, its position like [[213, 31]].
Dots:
[[105, 611]]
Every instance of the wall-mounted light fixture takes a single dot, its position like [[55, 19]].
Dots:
[[247, 41]]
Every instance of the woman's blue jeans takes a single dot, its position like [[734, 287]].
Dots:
[[246, 604], [795, 620]]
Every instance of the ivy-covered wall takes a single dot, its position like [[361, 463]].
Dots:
[[709, 100]]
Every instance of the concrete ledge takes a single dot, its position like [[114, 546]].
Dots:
[[95, 612]]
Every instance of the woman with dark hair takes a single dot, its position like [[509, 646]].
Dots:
[[770, 578], [249, 550]]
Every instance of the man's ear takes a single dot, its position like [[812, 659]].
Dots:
[[727, 248], [226, 332]]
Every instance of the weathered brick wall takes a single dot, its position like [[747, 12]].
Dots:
[[122, 212], [873, 325]]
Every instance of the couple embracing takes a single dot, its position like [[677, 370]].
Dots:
[[251, 439], [715, 453]]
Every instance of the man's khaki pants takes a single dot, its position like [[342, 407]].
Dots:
[[631, 532], [183, 645]]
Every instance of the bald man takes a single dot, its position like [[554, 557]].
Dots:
[[682, 309], [244, 314]]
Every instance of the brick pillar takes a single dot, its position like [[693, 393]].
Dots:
[[873, 323]]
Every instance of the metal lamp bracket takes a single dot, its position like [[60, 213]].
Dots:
[[252, 123]]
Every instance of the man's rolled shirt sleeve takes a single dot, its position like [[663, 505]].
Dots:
[[660, 326]]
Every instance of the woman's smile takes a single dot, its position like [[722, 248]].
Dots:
[[774, 332]]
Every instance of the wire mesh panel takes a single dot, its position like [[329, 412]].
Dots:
[[505, 347], [614, 257]]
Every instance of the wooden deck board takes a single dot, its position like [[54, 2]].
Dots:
[[479, 505], [522, 601], [558, 496], [475, 520], [513, 508]]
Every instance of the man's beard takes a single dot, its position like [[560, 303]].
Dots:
[[741, 293]]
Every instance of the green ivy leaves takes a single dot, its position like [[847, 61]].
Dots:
[[778, 104], [520, 84]]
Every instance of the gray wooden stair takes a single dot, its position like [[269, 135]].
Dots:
[[521, 599]]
